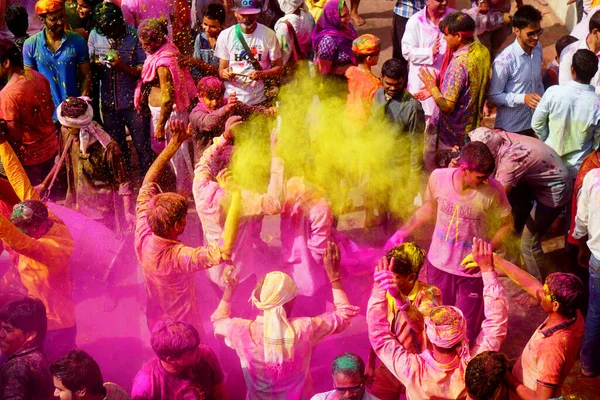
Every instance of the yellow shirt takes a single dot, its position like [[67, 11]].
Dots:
[[42, 264]]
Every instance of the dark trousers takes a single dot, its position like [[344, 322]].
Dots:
[[115, 122], [398, 28], [463, 292]]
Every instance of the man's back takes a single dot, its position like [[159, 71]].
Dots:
[[26, 376]]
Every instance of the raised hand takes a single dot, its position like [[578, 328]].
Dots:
[[230, 124], [179, 133], [385, 278], [331, 260]]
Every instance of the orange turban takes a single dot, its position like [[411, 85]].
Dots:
[[47, 6], [366, 44]]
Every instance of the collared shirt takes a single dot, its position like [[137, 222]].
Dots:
[[587, 221], [549, 355], [568, 120], [26, 375], [203, 50], [417, 42], [42, 265], [117, 87], [464, 84], [303, 25], [168, 267], [61, 67], [514, 74], [566, 60], [407, 8], [246, 338], [421, 374], [332, 395]]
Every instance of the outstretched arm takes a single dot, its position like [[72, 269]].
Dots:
[[180, 134]]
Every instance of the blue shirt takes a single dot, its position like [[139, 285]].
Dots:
[[116, 87], [203, 51], [61, 68], [514, 74], [407, 8], [568, 120]]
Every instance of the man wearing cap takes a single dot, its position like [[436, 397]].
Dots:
[[245, 71], [439, 372], [42, 246], [60, 56]]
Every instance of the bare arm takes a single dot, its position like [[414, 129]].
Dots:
[[503, 233], [519, 276], [85, 71], [426, 213], [541, 392], [159, 165], [168, 100]]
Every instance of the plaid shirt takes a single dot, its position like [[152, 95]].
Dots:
[[406, 8]]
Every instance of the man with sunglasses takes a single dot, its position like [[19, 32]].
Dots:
[[348, 372], [516, 86], [62, 57]]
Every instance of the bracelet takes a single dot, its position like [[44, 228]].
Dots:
[[404, 306], [339, 278]]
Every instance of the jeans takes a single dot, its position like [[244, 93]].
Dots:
[[536, 226], [590, 347], [115, 122]]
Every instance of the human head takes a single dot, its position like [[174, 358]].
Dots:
[[476, 163], [213, 20], [85, 8], [246, 12], [290, 6], [175, 342], [446, 328], [393, 77], [167, 214], [31, 218], [408, 260], [76, 376], [458, 29], [275, 289], [10, 57], [562, 43], [485, 374], [109, 21], [366, 49], [527, 26], [562, 294], [211, 91], [491, 137], [153, 34], [437, 7], [21, 322], [74, 113], [52, 14], [348, 372], [335, 14], [595, 25], [584, 66], [17, 20]]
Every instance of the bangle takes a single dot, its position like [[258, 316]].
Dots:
[[404, 306], [339, 278]]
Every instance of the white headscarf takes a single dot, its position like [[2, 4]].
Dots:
[[289, 6], [89, 132], [278, 335], [451, 334]]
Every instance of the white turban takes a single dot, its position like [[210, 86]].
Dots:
[[289, 6]]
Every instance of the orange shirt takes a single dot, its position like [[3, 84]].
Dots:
[[42, 265], [362, 86]]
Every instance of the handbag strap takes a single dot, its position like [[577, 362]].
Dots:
[[296, 45], [249, 56]]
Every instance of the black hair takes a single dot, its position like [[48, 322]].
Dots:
[[10, 51], [485, 374], [348, 364], [567, 290], [526, 16], [216, 12], [457, 22], [585, 65], [564, 42], [28, 315], [17, 20], [476, 156], [106, 14], [595, 21], [394, 69], [173, 339], [78, 370]]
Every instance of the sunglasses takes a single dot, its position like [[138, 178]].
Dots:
[[533, 34], [351, 389]]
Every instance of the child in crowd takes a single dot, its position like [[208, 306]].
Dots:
[[204, 61], [362, 84], [550, 77]]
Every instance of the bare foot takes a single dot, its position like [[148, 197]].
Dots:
[[358, 20]]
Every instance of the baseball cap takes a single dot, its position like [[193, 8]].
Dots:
[[246, 7]]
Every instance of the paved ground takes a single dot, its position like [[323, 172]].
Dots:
[[119, 339]]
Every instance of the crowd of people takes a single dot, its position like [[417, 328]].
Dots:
[[132, 114]]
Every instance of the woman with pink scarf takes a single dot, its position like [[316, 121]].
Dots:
[[161, 75]]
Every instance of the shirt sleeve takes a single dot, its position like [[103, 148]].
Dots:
[[495, 325], [29, 59], [550, 363], [455, 81], [582, 216], [83, 55], [192, 259], [327, 49], [564, 69], [268, 203], [410, 47], [142, 229], [539, 120], [208, 121], [333, 322], [385, 344], [321, 221], [501, 205], [92, 44], [501, 72], [221, 49], [274, 49], [285, 41], [416, 127], [9, 111]]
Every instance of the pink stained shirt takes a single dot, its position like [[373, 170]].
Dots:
[[421, 374], [168, 267], [246, 338], [208, 196]]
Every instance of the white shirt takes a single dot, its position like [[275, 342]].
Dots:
[[587, 221], [566, 60], [331, 395], [417, 42], [303, 26], [265, 48]]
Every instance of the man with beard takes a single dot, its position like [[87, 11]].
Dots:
[[58, 55]]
